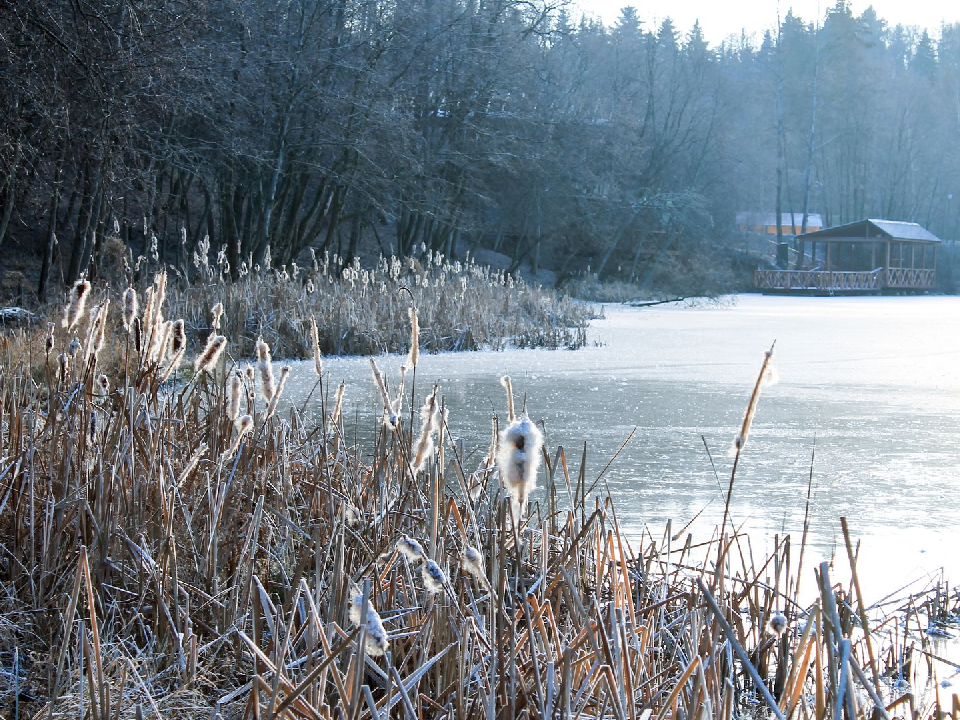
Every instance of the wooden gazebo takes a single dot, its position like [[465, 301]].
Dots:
[[865, 256]]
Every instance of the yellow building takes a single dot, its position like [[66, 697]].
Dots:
[[765, 223]]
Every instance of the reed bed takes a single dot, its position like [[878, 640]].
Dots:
[[186, 551], [363, 311]]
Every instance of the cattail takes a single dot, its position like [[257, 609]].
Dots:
[[762, 379], [178, 338], [317, 357], [48, 344], [236, 392], [518, 459], [411, 549], [338, 404], [250, 373], [217, 313], [129, 308], [430, 423], [376, 641], [103, 384], [162, 347], [433, 577], [74, 347], [472, 563], [272, 407], [78, 302], [391, 414], [63, 361], [777, 623], [243, 425], [138, 334], [211, 353], [95, 333], [508, 384], [268, 385], [414, 355]]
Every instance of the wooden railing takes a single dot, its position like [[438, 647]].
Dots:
[[864, 281], [852, 281], [910, 278]]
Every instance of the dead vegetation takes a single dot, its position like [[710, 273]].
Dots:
[[185, 551]]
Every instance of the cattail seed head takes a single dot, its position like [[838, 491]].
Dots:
[[762, 379], [433, 577], [74, 347], [414, 355], [272, 407], [243, 425], [77, 304], [411, 549], [217, 313], [178, 338], [211, 353], [430, 423], [268, 384], [103, 384], [377, 641], [518, 458], [472, 563], [315, 338], [508, 385], [338, 404], [777, 623], [129, 308], [48, 344], [236, 393]]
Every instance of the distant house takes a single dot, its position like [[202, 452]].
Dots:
[[865, 256], [765, 223]]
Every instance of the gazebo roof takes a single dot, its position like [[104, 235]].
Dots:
[[874, 230]]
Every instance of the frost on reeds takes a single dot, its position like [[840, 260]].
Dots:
[[766, 377], [376, 640], [178, 348], [268, 384], [518, 458], [433, 577], [429, 424], [78, 303], [411, 549], [315, 341], [96, 333], [242, 425]]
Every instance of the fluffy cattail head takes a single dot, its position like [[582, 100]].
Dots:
[[268, 384], [377, 641], [217, 313], [178, 338], [103, 384], [74, 347], [77, 304], [315, 339], [211, 353], [433, 577], [508, 386], [243, 425], [777, 623], [48, 344], [414, 355], [411, 549], [430, 423], [272, 406], [518, 458], [236, 394], [472, 563], [129, 308], [763, 379]]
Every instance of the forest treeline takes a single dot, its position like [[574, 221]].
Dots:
[[510, 125]]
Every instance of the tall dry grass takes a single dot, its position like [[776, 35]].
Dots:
[[186, 552]]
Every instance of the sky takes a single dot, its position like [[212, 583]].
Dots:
[[722, 18]]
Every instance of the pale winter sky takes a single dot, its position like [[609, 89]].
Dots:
[[721, 18]]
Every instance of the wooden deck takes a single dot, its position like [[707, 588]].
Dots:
[[832, 281]]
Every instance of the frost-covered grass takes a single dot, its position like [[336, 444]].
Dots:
[[190, 552]]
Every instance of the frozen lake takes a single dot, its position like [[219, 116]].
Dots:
[[873, 382]]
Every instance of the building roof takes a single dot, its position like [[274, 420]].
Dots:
[[877, 229], [769, 219]]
